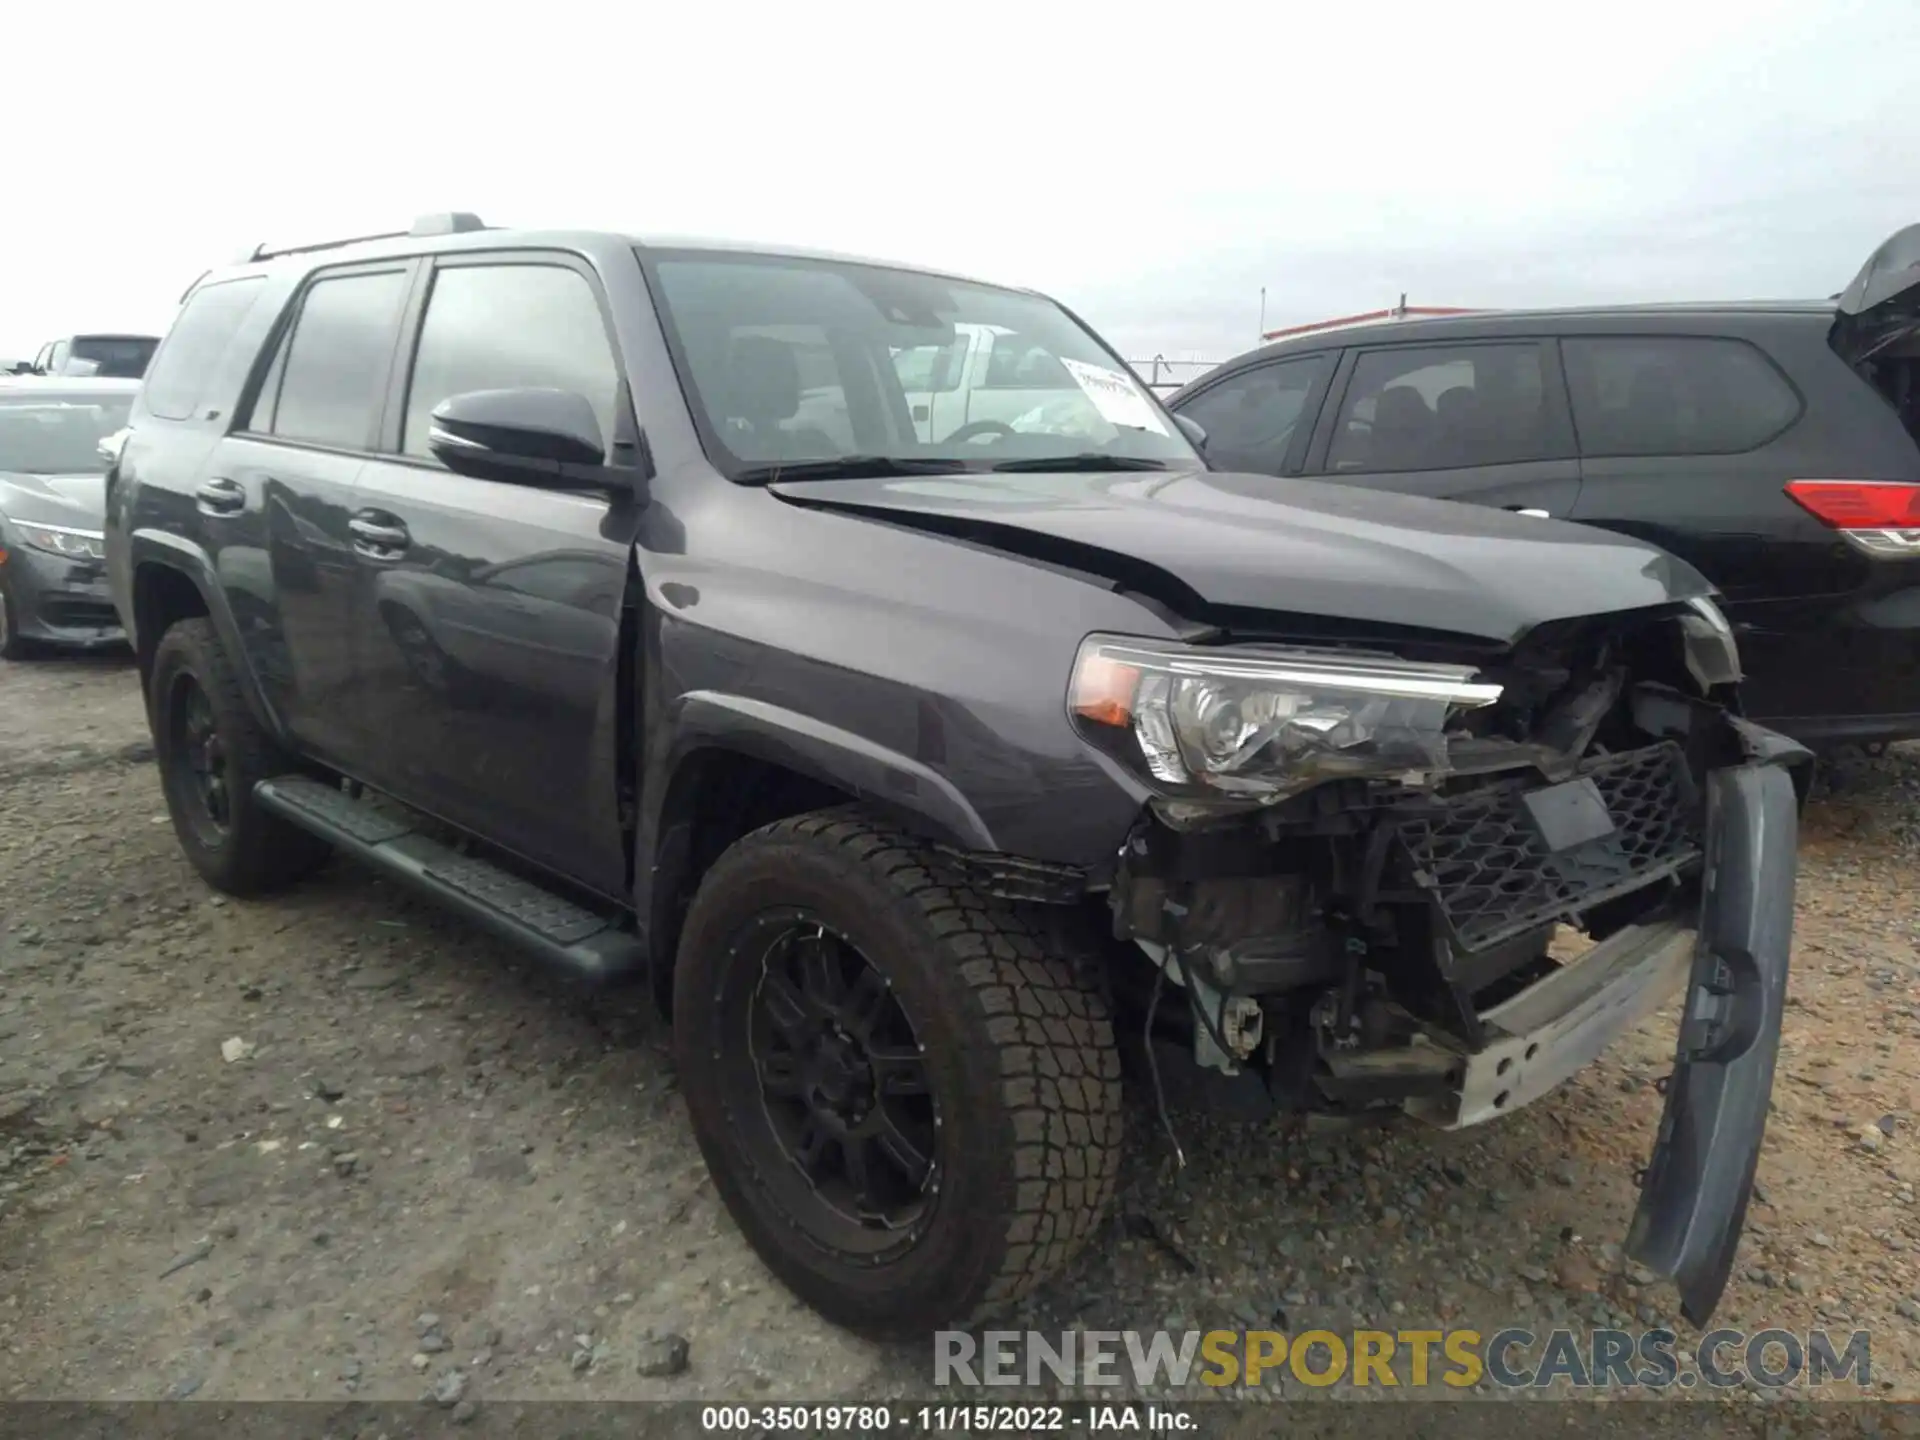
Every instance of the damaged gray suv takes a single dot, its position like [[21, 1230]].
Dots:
[[932, 735]]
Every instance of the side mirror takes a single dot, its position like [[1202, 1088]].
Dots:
[[547, 438], [1194, 431]]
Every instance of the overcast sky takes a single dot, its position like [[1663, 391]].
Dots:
[[1154, 167]]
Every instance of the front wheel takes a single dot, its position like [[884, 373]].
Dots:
[[910, 1106]]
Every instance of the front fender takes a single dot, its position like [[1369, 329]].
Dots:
[[709, 720], [896, 783]]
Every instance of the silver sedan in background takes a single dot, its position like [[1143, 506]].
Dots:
[[55, 437]]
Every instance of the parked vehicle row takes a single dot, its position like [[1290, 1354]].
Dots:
[[1776, 447], [652, 605]]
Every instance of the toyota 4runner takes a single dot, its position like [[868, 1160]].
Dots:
[[611, 592]]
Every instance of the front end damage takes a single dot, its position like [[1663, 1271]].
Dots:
[[1455, 935]]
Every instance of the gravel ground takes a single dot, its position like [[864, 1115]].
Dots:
[[338, 1145]]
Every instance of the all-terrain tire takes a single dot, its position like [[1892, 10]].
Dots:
[[255, 852], [1019, 1054]]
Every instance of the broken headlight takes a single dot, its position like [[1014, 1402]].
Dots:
[[1257, 724]]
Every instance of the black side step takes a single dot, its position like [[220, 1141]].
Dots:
[[518, 910]]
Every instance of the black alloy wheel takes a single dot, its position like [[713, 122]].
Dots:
[[845, 1106]]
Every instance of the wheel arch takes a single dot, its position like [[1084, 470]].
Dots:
[[174, 580], [734, 764]]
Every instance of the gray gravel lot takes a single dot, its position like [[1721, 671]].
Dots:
[[423, 1164]]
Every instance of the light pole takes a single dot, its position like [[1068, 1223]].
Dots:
[[1263, 312]]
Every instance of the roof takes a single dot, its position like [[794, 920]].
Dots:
[[429, 238], [1341, 322], [1477, 324], [57, 385]]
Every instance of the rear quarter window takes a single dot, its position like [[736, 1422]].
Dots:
[[188, 357], [1674, 395]]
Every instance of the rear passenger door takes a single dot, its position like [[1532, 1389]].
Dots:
[[1482, 421], [486, 614], [275, 497]]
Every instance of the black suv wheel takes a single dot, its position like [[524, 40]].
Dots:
[[910, 1106], [211, 751]]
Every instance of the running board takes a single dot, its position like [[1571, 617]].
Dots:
[[555, 929]]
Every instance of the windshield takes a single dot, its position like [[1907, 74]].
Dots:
[[790, 361], [42, 435], [122, 357]]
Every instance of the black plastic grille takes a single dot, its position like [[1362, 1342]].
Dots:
[[1492, 875]]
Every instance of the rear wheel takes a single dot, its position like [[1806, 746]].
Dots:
[[910, 1105], [211, 752]]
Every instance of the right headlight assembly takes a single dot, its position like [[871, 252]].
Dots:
[[1255, 725]]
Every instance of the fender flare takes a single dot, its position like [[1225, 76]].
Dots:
[[897, 785], [158, 547]]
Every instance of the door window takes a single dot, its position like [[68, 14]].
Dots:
[[1674, 395], [1443, 407], [336, 361], [509, 327], [196, 342], [1251, 418]]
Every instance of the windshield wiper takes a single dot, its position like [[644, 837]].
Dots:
[[1086, 460], [849, 467]]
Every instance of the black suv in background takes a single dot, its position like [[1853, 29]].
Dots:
[[1772, 445], [612, 593]]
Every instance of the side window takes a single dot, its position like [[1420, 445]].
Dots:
[[1442, 407], [1251, 418], [1674, 396], [205, 326], [505, 327], [336, 359]]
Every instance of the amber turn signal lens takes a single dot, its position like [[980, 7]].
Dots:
[[1103, 690]]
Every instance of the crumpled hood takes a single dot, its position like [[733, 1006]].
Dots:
[[79, 501], [1297, 547]]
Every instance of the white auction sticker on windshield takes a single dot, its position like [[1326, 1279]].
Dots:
[[1117, 397]]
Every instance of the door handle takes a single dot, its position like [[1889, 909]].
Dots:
[[1528, 510], [381, 534], [220, 496]]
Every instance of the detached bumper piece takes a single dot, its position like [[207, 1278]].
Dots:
[[1693, 1202], [1732, 963]]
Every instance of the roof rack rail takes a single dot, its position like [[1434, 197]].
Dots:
[[452, 222]]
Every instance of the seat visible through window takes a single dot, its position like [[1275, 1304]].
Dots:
[[763, 392]]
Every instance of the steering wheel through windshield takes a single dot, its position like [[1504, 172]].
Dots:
[[975, 429]]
